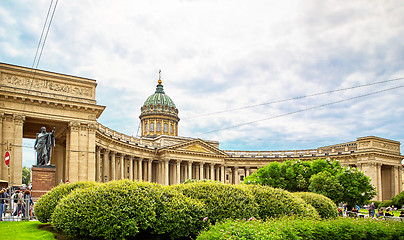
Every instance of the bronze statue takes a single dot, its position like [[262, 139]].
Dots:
[[43, 146]]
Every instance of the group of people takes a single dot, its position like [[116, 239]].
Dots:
[[380, 213], [19, 202]]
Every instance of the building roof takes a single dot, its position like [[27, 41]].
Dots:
[[159, 98]]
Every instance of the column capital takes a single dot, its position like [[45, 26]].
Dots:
[[19, 119], [74, 126]]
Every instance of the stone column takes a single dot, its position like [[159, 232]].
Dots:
[[16, 151], [178, 172], [131, 168], [236, 176], [73, 152], [91, 164], [212, 171], [379, 182], [139, 168], [201, 170], [122, 166], [223, 174], [247, 171], [149, 170], [105, 167], [217, 173], [97, 164], [113, 166], [395, 181], [189, 170], [166, 172]]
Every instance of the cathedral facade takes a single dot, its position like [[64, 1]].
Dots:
[[87, 150]]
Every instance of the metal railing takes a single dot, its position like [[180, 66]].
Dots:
[[17, 210]]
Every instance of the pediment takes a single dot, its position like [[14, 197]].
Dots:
[[196, 146]]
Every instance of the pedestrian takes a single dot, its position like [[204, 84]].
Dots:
[[28, 202], [2, 203], [372, 210]]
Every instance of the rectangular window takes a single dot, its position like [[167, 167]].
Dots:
[[145, 127], [165, 127], [151, 127], [172, 129], [158, 127], [241, 178]]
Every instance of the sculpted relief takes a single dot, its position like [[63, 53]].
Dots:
[[45, 85]]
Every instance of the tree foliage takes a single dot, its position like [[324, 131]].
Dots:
[[26, 175], [323, 176]]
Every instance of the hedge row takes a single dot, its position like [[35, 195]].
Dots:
[[121, 209], [292, 228], [324, 206], [47, 203]]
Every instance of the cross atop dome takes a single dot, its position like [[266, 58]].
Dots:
[[159, 81]]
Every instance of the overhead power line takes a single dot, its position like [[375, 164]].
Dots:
[[42, 39], [303, 110], [295, 98]]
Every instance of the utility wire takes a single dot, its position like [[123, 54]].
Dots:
[[40, 39], [303, 110], [37, 58], [295, 98]]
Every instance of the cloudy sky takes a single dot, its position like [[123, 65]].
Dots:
[[228, 65]]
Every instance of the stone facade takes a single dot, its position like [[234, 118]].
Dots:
[[87, 150]]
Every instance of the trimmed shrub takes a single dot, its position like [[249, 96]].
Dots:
[[275, 202], [222, 200], [178, 215], [291, 228], [47, 203], [324, 206], [386, 203], [114, 210], [398, 200], [376, 203]]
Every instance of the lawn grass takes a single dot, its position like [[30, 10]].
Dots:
[[24, 230]]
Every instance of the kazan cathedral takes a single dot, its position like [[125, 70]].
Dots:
[[88, 150]]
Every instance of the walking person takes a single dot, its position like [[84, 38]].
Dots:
[[2, 203], [372, 210]]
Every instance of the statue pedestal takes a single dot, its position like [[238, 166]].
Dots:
[[43, 179]]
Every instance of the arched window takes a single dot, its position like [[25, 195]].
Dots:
[[145, 127], [151, 127], [172, 129], [165, 127], [158, 127]]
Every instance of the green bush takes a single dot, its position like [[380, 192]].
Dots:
[[222, 200], [324, 206], [114, 210], [292, 228], [178, 215], [398, 200], [386, 203], [275, 202], [47, 203], [376, 203]]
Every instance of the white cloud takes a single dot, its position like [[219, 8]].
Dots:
[[218, 55]]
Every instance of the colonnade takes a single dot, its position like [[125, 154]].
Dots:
[[112, 165]]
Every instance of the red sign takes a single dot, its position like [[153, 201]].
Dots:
[[7, 158]]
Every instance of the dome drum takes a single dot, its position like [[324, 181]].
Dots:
[[159, 115]]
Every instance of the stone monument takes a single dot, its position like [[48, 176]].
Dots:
[[43, 173]]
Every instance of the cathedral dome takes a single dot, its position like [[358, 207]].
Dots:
[[159, 115], [159, 98]]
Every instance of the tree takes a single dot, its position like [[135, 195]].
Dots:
[[26, 175], [322, 176]]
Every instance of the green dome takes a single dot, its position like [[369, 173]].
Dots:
[[159, 98]]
